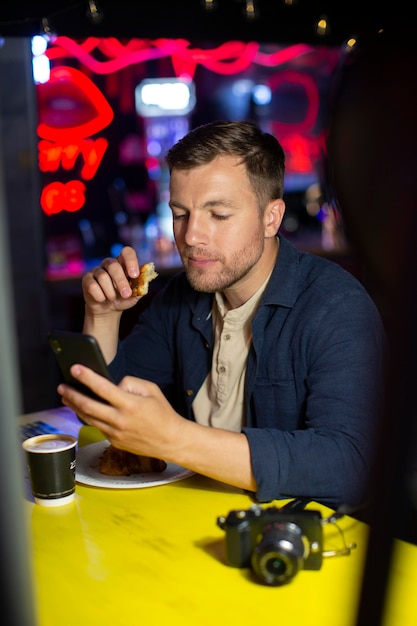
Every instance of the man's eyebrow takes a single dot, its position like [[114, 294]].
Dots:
[[209, 204], [218, 202], [178, 205]]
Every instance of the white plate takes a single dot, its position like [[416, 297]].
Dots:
[[86, 474]]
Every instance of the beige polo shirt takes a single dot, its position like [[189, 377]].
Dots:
[[220, 400]]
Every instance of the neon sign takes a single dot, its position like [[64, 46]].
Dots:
[[71, 109], [58, 197], [52, 155]]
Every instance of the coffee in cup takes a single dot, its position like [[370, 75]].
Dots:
[[51, 466]]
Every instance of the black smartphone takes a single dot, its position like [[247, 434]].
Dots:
[[71, 347]]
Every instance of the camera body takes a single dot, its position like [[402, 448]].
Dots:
[[275, 542]]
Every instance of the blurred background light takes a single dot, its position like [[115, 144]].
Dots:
[[161, 96], [261, 95], [41, 68]]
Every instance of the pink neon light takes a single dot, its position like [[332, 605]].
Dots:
[[62, 80], [228, 58], [283, 56], [69, 46], [296, 146], [313, 99]]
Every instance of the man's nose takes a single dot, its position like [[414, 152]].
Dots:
[[196, 232]]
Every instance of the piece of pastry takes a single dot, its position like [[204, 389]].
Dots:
[[115, 462], [140, 285]]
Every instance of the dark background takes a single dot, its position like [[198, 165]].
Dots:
[[280, 21]]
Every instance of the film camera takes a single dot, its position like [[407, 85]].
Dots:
[[275, 542]]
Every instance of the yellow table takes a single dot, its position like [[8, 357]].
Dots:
[[155, 556]]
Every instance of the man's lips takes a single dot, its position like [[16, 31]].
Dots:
[[200, 261]]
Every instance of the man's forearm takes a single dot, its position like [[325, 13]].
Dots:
[[219, 454], [106, 330]]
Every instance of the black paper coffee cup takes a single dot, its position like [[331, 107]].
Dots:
[[51, 465]]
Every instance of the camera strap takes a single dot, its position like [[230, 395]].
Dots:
[[298, 504]]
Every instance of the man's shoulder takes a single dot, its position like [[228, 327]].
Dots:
[[298, 271], [319, 266]]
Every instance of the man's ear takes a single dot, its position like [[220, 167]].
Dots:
[[273, 216]]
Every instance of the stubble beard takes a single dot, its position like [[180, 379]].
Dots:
[[228, 273]]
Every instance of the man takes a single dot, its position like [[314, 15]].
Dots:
[[259, 365]]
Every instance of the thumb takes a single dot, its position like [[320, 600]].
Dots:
[[137, 386]]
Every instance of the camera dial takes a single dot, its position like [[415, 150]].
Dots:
[[279, 553]]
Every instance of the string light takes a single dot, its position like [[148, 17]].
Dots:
[[94, 13], [322, 26], [46, 29], [209, 5], [351, 43], [252, 10]]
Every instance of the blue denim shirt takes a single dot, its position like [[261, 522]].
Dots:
[[313, 376]]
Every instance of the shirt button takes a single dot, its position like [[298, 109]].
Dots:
[[222, 369], [227, 337], [189, 392]]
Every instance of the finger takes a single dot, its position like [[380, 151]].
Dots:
[[101, 285], [97, 413], [138, 386], [122, 271], [84, 406], [92, 416], [129, 260], [91, 288], [101, 386], [113, 279]]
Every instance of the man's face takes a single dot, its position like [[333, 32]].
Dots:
[[218, 227]]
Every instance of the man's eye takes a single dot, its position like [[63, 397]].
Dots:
[[179, 216], [220, 218]]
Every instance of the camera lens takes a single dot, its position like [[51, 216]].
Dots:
[[279, 553], [275, 565]]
